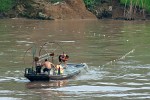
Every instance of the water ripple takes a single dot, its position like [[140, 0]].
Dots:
[[87, 89]]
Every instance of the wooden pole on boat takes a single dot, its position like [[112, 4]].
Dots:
[[59, 70], [52, 56], [33, 54]]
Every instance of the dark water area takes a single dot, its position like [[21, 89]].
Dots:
[[116, 52]]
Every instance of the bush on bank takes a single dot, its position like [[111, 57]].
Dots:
[[6, 5]]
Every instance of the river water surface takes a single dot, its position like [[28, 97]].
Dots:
[[117, 54]]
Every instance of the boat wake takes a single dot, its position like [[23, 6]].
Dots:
[[116, 60]]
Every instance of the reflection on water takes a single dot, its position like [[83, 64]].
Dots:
[[117, 53], [51, 84]]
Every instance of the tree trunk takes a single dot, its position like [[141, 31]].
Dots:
[[125, 9], [130, 10], [143, 9]]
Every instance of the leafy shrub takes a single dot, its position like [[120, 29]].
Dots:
[[89, 3], [6, 5]]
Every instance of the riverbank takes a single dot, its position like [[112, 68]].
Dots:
[[38, 9], [74, 9]]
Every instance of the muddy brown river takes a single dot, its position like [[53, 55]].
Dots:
[[117, 54]]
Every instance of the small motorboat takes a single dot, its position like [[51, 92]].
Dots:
[[70, 71]]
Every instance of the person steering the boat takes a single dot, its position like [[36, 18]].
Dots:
[[37, 65], [48, 65], [63, 58]]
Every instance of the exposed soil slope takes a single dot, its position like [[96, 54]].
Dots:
[[68, 9]]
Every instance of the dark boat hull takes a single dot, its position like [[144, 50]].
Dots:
[[32, 76]]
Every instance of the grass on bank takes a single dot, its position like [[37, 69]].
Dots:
[[141, 3]]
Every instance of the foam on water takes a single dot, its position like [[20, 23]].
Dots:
[[9, 98], [67, 41], [16, 79], [24, 42], [87, 89]]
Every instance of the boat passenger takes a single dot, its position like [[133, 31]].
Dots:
[[63, 58], [37, 65], [48, 65]]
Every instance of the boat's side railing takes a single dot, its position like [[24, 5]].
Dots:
[[29, 71]]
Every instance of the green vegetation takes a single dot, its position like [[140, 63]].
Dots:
[[92, 3], [89, 3], [6, 5], [54, 1], [141, 3]]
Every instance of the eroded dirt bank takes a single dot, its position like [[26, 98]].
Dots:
[[42, 9]]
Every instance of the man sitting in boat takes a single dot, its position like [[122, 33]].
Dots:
[[63, 58], [48, 65], [37, 65]]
